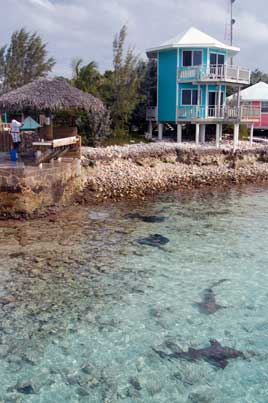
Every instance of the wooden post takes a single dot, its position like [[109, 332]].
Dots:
[[197, 127], [179, 133], [50, 129], [251, 133], [150, 129], [160, 131]]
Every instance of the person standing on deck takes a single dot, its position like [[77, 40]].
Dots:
[[15, 134]]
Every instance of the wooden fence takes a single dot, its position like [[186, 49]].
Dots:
[[5, 142]]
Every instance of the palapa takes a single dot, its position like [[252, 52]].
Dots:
[[49, 94]]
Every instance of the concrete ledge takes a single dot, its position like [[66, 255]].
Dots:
[[27, 189]]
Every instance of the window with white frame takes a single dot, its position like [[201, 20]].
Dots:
[[217, 59], [264, 107], [189, 97], [191, 58]]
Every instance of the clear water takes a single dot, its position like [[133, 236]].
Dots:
[[87, 303]]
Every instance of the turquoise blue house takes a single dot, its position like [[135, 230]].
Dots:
[[193, 72]]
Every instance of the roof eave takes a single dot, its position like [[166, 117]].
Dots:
[[152, 52]]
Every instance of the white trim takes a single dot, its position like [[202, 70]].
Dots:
[[197, 45], [178, 58]]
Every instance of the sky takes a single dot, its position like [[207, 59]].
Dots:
[[86, 28]]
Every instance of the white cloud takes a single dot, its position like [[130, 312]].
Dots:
[[85, 28], [42, 3]]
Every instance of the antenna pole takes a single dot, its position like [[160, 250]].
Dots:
[[231, 25]]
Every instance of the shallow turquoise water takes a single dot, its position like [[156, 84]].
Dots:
[[90, 303]]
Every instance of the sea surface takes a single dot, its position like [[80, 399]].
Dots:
[[91, 311]]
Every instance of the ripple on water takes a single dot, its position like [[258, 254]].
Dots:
[[83, 305]]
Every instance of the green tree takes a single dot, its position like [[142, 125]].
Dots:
[[87, 78], [257, 76], [148, 93], [125, 83], [24, 60]]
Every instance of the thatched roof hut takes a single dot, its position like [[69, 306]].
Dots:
[[51, 95]]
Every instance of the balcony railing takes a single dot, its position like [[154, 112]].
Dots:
[[215, 73], [225, 113], [151, 113]]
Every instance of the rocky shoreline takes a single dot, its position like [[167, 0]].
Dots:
[[133, 171], [138, 170]]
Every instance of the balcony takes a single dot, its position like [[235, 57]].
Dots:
[[151, 113], [215, 74], [225, 113]]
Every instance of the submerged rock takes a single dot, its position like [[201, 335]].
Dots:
[[7, 299], [153, 387], [144, 218], [12, 398], [153, 240], [73, 379], [204, 395], [95, 215], [135, 383], [82, 391], [25, 387], [88, 368]]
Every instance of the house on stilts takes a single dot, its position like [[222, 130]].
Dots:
[[193, 72], [255, 96]]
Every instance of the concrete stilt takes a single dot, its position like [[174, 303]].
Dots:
[[150, 129], [220, 132], [197, 129], [179, 133], [160, 131], [251, 134], [202, 134], [236, 135], [217, 135]]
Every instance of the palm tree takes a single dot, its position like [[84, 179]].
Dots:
[[87, 78]]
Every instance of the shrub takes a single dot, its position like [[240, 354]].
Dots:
[[243, 132]]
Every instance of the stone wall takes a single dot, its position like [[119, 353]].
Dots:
[[25, 189]]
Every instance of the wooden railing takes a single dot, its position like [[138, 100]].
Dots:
[[214, 73], [196, 112]]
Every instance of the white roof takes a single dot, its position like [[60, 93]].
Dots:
[[193, 38], [257, 92]]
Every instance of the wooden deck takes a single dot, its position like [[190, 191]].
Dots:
[[66, 141], [53, 149]]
